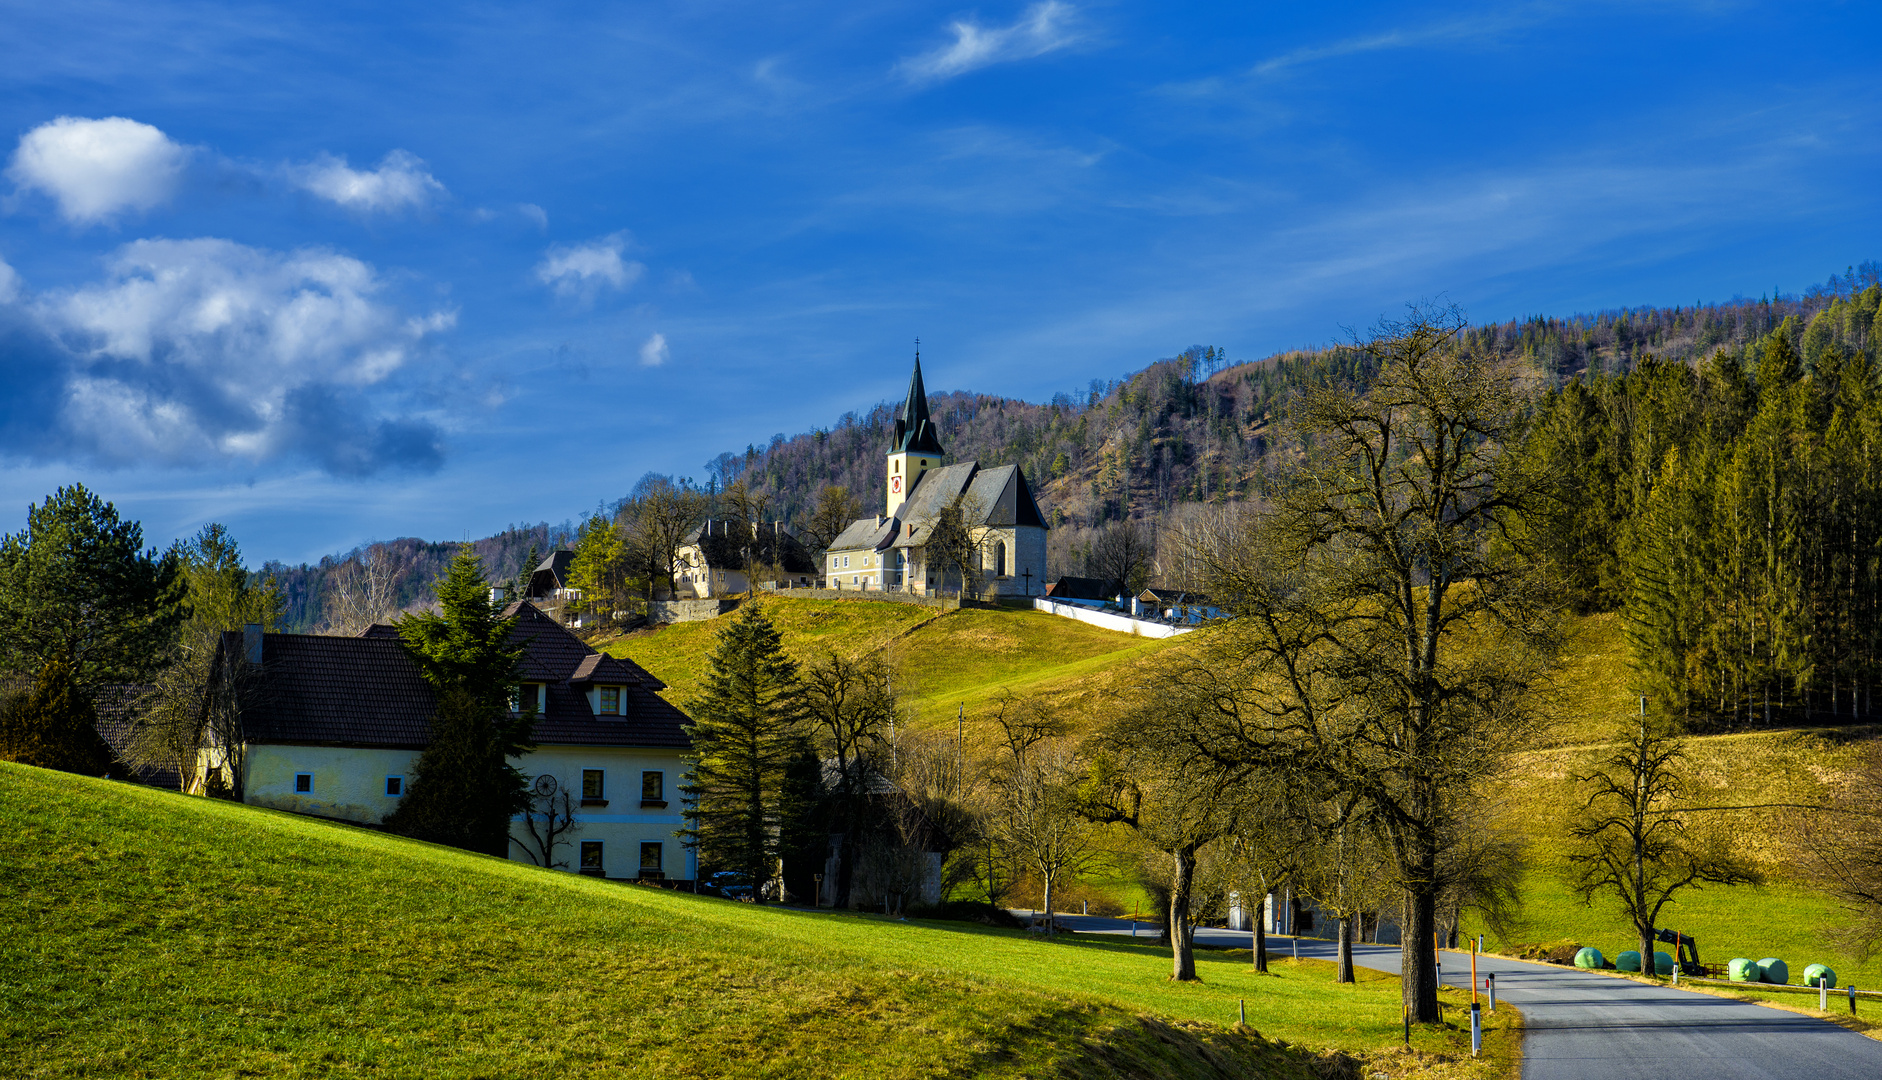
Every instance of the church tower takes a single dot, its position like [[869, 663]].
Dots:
[[916, 447]]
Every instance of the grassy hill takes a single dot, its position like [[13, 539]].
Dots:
[[150, 934], [964, 658], [945, 661]]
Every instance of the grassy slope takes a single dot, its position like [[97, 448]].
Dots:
[[943, 661], [153, 934], [964, 657]]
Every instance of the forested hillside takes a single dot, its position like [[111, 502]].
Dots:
[[1196, 427]]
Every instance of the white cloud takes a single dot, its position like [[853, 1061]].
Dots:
[[654, 352], [96, 169], [1044, 28], [534, 213], [1476, 29], [9, 283], [199, 349], [581, 270], [401, 182]]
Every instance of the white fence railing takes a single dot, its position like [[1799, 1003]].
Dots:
[[1110, 620]]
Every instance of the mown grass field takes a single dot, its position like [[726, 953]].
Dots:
[[150, 934]]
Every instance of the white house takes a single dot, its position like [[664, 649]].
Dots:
[[332, 726]]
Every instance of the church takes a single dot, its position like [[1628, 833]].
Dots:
[[889, 551]]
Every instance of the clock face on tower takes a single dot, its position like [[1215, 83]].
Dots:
[[895, 484]]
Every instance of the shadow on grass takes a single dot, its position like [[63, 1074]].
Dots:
[[1147, 1048]]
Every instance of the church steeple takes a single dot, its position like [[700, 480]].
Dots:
[[916, 446], [914, 432]]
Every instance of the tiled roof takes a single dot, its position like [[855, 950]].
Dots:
[[366, 691], [866, 534]]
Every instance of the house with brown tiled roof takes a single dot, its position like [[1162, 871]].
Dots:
[[331, 726]]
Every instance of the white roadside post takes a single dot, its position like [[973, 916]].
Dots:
[[1489, 982], [1823, 993], [1476, 1028]]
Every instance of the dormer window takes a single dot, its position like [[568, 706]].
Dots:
[[528, 698], [610, 701]]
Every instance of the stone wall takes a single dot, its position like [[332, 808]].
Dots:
[[679, 611]]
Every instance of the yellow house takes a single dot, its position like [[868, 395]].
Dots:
[[890, 550], [333, 726]]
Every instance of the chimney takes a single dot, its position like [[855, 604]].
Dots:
[[251, 643]]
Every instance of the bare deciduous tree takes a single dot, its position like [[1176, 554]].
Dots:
[[1035, 795], [1635, 836], [1122, 553], [1390, 638], [655, 521], [549, 821], [361, 591]]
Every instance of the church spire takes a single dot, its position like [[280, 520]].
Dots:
[[914, 431]]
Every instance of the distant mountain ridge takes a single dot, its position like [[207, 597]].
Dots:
[[1195, 427]]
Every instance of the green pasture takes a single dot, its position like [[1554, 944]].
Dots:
[[151, 934]]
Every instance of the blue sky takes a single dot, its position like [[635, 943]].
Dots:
[[340, 272]]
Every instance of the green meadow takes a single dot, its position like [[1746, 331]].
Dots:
[[150, 934]]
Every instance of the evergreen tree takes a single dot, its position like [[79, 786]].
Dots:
[[53, 725], [749, 728], [464, 790], [78, 588], [600, 568]]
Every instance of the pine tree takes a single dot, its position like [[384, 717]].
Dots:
[[464, 791], [53, 725], [749, 727]]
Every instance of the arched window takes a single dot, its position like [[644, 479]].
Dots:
[[999, 558]]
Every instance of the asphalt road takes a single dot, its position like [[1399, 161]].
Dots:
[[1582, 1026]]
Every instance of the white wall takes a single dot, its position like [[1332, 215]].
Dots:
[[349, 783], [1123, 624]]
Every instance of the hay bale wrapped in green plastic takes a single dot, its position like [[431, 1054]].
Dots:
[[1818, 971], [1662, 963], [1774, 970], [1628, 961], [1588, 957], [1743, 970]]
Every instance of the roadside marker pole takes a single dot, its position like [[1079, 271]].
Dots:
[[1244, 1011], [1489, 982], [1473, 978], [1437, 956], [1852, 999], [1823, 993], [1476, 1029]]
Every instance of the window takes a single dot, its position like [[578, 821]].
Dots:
[[529, 698], [999, 558], [846, 560], [653, 788], [611, 700], [591, 858], [593, 787], [650, 864], [303, 783], [395, 786]]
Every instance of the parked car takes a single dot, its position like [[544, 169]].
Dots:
[[730, 884]]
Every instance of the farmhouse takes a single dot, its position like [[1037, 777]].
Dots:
[[890, 551], [331, 726]]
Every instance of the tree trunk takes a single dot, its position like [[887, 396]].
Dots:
[[1046, 901], [1346, 949], [1261, 935], [1182, 949], [1416, 956]]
